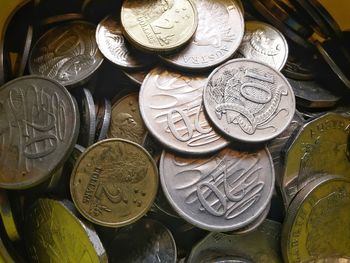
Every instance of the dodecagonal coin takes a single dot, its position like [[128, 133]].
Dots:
[[249, 100], [39, 125]]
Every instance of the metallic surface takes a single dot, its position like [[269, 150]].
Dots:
[[87, 111], [7, 217], [103, 117]]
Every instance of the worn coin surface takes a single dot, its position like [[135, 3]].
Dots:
[[126, 120], [39, 125], [67, 53], [114, 182], [171, 106], [54, 233], [159, 26], [262, 42], [248, 100], [317, 223], [224, 192], [219, 33]]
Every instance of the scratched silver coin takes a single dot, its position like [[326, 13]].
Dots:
[[249, 100], [218, 35], [171, 107], [264, 43], [67, 53], [223, 192]]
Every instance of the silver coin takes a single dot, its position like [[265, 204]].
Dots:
[[262, 42], [171, 107], [249, 100], [136, 77], [226, 260], [103, 119], [224, 192], [67, 53], [218, 35]]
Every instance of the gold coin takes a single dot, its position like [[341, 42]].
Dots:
[[159, 25], [114, 182]]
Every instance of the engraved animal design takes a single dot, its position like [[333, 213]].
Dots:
[[116, 43], [123, 125]]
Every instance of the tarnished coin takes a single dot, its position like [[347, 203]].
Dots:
[[171, 106], [262, 42], [39, 125], [317, 223], [219, 33], [159, 26], [224, 192], [126, 120], [261, 245], [114, 182], [146, 241], [318, 148], [111, 42], [67, 53], [103, 119], [248, 100], [53, 233]]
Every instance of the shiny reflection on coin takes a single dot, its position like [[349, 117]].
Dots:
[[146, 241], [221, 259], [54, 233], [316, 225], [22, 58], [171, 106], [218, 35], [103, 119], [114, 182], [248, 100], [224, 192], [126, 120], [39, 126], [159, 26], [67, 53], [262, 42]]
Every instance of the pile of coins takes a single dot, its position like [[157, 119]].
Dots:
[[173, 131]]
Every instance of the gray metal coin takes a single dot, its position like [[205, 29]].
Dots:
[[171, 107], [67, 53], [103, 119], [224, 192], [22, 59], [136, 77], [262, 42], [298, 69], [39, 125], [249, 101], [218, 35]]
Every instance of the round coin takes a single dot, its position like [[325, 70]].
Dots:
[[67, 53], [103, 119], [219, 33], [114, 182], [249, 100], [224, 192], [171, 106], [136, 77], [159, 26], [39, 125]]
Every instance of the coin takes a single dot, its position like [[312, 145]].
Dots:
[[264, 43], [314, 227], [152, 146], [223, 192], [171, 106], [126, 120], [218, 35], [114, 182], [103, 119], [55, 234], [39, 126], [137, 77], [61, 18], [220, 259], [67, 53], [22, 58], [298, 69], [248, 100], [7, 217], [159, 26]]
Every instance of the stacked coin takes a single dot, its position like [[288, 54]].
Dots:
[[143, 129]]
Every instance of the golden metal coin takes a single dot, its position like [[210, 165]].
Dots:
[[158, 25], [114, 182], [7, 217]]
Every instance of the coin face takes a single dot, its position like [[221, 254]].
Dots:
[[67, 53], [39, 125], [54, 233], [248, 100], [264, 43], [224, 192], [114, 182], [159, 26], [126, 120], [314, 227], [171, 106], [218, 35]]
